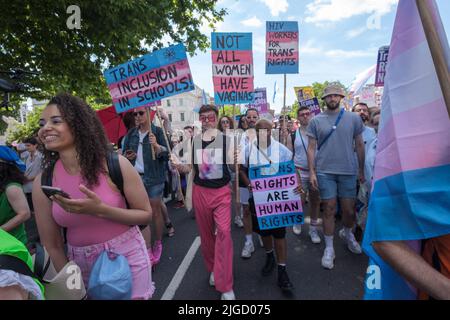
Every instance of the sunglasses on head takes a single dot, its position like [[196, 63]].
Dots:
[[141, 113], [210, 118]]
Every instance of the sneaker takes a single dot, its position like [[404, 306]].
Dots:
[[328, 258], [269, 266], [247, 251], [228, 295], [238, 221], [297, 229], [352, 244], [283, 280], [314, 234], [212, 282], [157, 251]]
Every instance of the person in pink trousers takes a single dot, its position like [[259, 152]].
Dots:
[[209, 154]]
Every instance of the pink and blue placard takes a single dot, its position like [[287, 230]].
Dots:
[[282, 47], [276, 203], [149, 78], [232, 64]]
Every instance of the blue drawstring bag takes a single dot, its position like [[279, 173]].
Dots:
[[110, 278]]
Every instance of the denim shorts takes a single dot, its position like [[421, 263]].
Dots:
[[132, 246], [336, 185], [155, 191]]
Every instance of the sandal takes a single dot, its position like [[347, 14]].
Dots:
[[170, 229]]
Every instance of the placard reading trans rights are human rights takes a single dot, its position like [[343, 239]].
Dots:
[[150, 78], [276, 203]]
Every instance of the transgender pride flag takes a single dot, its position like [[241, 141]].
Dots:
[[411, 191]]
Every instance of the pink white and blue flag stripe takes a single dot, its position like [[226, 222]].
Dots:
[[282, 55], [411, 187], [149, 78]]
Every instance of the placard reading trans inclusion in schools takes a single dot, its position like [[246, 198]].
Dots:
[[282, 47], [273, 191], [232, 64], [150, 78]]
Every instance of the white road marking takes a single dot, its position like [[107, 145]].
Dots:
[[179, 275]]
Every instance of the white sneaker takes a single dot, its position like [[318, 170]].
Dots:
[[314, 234], [238, 221], [328, 258], [248, 249], [228, 295], [297, 229], [212, 283], [352, 244]]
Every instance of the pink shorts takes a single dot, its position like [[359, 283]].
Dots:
[[132, 246]]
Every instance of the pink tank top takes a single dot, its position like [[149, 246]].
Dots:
[[84, 229]]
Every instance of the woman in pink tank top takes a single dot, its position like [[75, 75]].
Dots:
[[96, 215]]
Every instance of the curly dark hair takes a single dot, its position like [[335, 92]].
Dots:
[[9, 173], [219, 124], [91, 143]]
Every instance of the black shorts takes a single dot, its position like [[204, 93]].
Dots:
[[277, 233]]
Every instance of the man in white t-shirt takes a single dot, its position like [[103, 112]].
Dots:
[[300, 143], [252, 117]]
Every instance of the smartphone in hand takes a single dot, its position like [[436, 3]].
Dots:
[[51, 191]]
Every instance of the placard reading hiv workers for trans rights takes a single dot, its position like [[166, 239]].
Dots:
[[276, 203], [150, 78], [281, 47]]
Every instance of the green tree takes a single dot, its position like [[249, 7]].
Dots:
[[228, 110], [320, 87], [28, 129], [34, 36]]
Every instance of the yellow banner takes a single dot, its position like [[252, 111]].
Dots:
[[304, 93]]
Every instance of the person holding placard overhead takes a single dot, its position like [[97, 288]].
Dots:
[[146, 149], [211, 163], [333, 168]]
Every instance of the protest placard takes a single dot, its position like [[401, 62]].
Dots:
[[312, 104], [383, 54], [232, 64], [304, 93], [281, 47], [260, 101], [307, 98], [149, 78], [276, 203]]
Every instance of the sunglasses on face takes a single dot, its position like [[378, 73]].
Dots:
[[225, 121], [141, 113], [210, 118]]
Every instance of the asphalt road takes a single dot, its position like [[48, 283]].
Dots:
[[310, 279]]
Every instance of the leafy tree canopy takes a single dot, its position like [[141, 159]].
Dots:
[[34, 36]]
